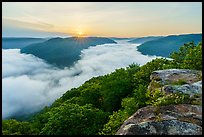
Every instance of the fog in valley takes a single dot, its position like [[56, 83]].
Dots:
[[29, 83]]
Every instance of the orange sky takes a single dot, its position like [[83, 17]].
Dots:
[[119, 19]]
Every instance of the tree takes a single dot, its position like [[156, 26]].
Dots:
[[14, 127], [193, 58], [72, 119], [115, 87], [189, 56]]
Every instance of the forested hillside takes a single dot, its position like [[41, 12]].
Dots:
[[144, 39], [63, 52], [166, 45], [102, 104], [18, 43]]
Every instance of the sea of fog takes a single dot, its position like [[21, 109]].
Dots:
[[29, 83]]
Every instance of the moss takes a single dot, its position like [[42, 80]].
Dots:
[[196, 102], [179, 82], [157, 78], [172, 99], [154, 85], [157, 114], [196, 99], [153, 96], [157, 84], [200, 75]]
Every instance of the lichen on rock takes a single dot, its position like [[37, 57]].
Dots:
[[182, 119], [181, 81], [170, 119]]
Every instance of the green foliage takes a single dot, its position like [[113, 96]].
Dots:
[[179, 82], [115, 87], [183, 50], [91, 95], [159, 98], [72, 119], [130, 105], [102, 104], [88, 93], [172, 99], [140, 96], [189, 56], [13, 127], [74, 92], [41, 118], [116, 120], [142, 76], [196, 100], [194, 57], [153, 96], [132, 69]]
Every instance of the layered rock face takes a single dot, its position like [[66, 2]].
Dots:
[[180, 119], [173, 75], [178, 81]]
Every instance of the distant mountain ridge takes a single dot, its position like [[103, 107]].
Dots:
[[116, 38], [144, 39], [63, 52], [18, 43], [166, 45]]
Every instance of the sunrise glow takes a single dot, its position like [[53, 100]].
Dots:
[[114, 19], [80, 34]]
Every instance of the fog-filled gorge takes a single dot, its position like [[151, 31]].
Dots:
[[29, 84]]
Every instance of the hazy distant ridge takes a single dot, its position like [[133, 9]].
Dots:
[[144, 39], [18, 43], [166, 45], [63, 52]]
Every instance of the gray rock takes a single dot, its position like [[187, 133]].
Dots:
[[197, 86], [190, 89], [182, 119], [169, 127], [178, 80], [169, 76]]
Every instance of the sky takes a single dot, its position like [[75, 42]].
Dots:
[[110, 19]]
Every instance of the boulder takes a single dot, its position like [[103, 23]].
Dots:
[[178, 81], [190, 89], [182, 119], [171, 76]]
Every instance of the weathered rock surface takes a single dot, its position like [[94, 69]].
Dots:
[[170, 76], [178, 81], [191, 89], [182, 119]]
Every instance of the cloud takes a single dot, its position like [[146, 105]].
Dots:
[[29, 84], [35, 27], [25, 24]]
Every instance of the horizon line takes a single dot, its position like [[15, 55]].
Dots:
[[100, 36]]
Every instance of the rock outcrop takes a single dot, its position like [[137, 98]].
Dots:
[[178, 81], [169, 76], [180, 119]]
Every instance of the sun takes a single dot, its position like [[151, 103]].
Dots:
[[80, 34]]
